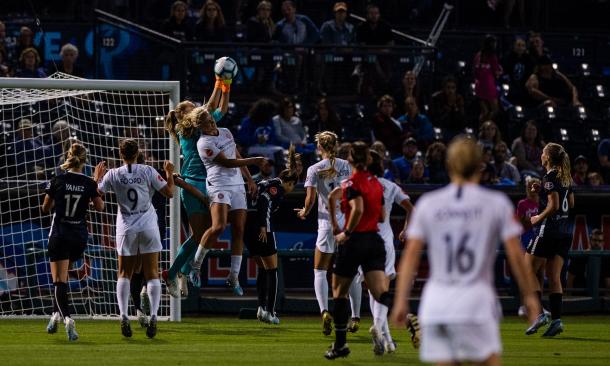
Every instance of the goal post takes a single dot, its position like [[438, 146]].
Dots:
[[39, 119]]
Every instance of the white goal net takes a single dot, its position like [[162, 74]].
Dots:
[[39, 118]]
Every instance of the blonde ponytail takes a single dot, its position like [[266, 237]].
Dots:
[[76, 157], [560, 160], [327, 141], [291, 174], [170, 124]]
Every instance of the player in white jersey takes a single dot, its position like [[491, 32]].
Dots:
[[461, 224], [225, 185], [322, 178], [392, 193], [137, 233]]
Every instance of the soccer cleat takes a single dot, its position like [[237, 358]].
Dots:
[[554, 329], [233, 282], [353, 325], [540, 321], [71, 330], [260, 313], [144, 301], [151, 330], [327, 323], [333, 352], [522, 312], [378, 341], [183, 286], [270, 318], [171, 285], [390, 345], [53, 323], [195, 277], [142, 319], [413, 327], [125, 327]]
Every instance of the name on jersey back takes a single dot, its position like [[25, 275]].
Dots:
[[74, 188], [136, 180], [466, 214]]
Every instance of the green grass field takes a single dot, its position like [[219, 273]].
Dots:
[[297, 341]]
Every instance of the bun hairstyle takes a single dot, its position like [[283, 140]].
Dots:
[[128, 148], [76, 157], [327, 141], [560, 160], [359, 155], [290, 174], [376, 165], [464, 157], [173, 121]]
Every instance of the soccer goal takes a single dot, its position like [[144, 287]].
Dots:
[[39, 120]]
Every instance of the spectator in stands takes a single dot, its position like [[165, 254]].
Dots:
[[337, 31], [489, 135], [260, 115], [486, 71], [535, 47], [389, 169], [550, 87], [416, 124], [405, 162], [581, 170], [488, 155], [410, 88], [262, 146], [29, 65], [3, 45], [528, 207], [177, 25], [25, 41], [287, 125], [344, 150], [386, 128], [417, 175], [60, 143], [67, 65], [211, 26], [435, 162], [447, 109], [517, 67], [295, 28], [260, 28], [595, 179], [374, 32], [505, 171], [603, 154], [488, 175], [577, 269], [325, 119], [5, 70], [527, 150], [28, 151], [266, 171]]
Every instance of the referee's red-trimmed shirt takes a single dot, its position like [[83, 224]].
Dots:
[[363, 184]]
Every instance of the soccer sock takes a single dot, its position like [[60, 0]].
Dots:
[[555, 300], [153, 288], [340, 316], [386, 299], [355, 297], [372, 305], [186, 268], [134, 287], [61, 299], [271, 289], [199, 256], [235, 265], [261, 287], [184, 252], [122, 295], [380, 316], [320, 284]]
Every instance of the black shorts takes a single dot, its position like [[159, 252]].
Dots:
[[258, 248], [549, 244], [61, 249], [361, 249]]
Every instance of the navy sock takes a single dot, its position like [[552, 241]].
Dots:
[[556, 301], [261, 287], [340, 316], [386, 299], [61, 299], [271, 289]]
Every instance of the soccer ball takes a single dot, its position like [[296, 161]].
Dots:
[[226, 67]]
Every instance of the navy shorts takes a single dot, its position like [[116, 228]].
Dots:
[[360, 249]]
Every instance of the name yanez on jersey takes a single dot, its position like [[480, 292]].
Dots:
[[74, 188]]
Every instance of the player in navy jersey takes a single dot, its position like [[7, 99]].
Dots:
[[358, 242], [68, 196], [550, 246], [261, 244]]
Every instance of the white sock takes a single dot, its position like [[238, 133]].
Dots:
[[380, 316], [372, 305], [355, 297], [199, 257], [153, 288], [122, 295], [235, 265], [320, 285]]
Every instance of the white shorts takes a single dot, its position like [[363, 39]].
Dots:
[[143, 242], [234, 196], [459, 342], [390, 256], [326, 240]]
